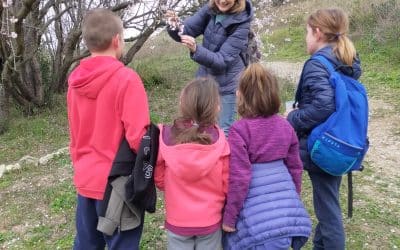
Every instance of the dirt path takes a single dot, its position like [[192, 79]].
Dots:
[[383, 157], [287, 70]]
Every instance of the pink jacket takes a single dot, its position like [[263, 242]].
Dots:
[[194, 179]]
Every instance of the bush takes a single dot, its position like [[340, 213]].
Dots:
[[377, 22], [150, 75]]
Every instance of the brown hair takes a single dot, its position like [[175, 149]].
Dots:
[[99, 27], [258, 92], [239, 6], [334, 24], [199, 102]]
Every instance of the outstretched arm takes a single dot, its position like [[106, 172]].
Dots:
[[193, 26], [229, 51]]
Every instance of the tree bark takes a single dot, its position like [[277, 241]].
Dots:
[[4, 104], [138, 44], [4, 110]]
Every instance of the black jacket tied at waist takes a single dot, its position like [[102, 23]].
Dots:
[[130, 188]]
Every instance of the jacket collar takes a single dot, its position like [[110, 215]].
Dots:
[[241, 17]]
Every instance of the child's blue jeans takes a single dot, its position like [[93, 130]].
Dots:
[[329, 232], [88, 238]]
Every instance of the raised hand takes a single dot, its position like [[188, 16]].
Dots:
[[173, 21], [189, 42]]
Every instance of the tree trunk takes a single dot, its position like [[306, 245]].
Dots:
[[4, 109], [138, 45]]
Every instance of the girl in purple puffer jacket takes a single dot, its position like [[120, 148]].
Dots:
[[263, 209]]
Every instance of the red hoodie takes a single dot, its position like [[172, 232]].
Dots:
[[106, 101]]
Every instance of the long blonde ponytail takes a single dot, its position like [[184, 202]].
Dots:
[[334, 24], [345, 50]]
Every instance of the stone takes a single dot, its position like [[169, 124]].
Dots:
[[29, 160], [2, 169], [63, 151], [13, 167], [45, 159]]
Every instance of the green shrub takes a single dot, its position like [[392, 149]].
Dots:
[[45, 67], [150, 75], [377, 22]]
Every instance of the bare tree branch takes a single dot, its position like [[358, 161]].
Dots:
[[51, 29]]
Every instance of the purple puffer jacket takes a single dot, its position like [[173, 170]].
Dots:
[[272, 210]]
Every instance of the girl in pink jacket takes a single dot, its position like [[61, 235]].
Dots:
[[192, 169]]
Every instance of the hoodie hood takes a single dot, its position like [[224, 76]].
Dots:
[[93, 74], [191, 161], [354, 71]]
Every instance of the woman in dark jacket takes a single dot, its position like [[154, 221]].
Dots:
[[225, 25], [327, 36]]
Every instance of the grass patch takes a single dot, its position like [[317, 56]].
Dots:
[[287, 43], [6, 181], [61, 198], [35, 135], [38, 207], [381, 64], [154, 236]]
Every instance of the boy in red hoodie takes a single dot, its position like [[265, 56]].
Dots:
[[106, 102]]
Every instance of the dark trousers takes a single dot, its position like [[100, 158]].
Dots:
[[329, 232], [88, 238]]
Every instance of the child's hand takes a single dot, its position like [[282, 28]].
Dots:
[[228, 229], [289, 107], [287, 112]]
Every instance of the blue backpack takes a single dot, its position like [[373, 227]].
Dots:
[[339, 144]]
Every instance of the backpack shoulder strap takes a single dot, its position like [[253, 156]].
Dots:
[[208, 17], [328, 65], [231, 29], [228, 31]]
